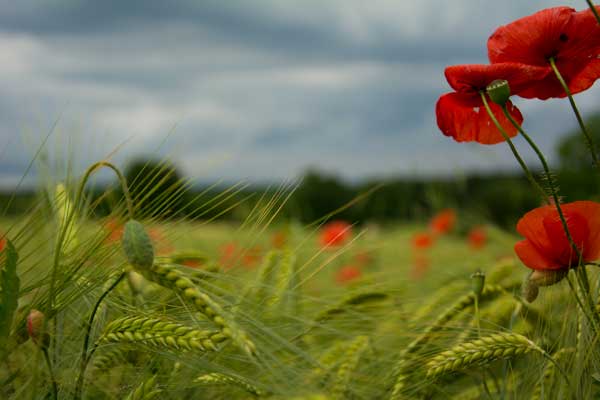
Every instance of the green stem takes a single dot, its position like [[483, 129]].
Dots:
[[85, 357], [69, 218], [51, 373], [581, 272], [594, 11], [586, 134], [528, 173]]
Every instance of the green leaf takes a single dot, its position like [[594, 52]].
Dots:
[[9, 294]]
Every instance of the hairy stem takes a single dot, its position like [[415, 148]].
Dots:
[[526, 170], [594, 11], [51, 373]]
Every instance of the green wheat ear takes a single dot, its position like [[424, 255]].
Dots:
[[480, 352], [218, 379], [145, 391], [137, 245]]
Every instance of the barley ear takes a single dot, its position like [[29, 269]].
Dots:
[[218, 379], [145, 391]]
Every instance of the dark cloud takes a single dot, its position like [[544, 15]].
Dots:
[[231, 89]]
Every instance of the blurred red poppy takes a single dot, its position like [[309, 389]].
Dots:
[[228, 255], [114, 229], [364, 258], [443, 222], [546, 246], [477, 237], [251, 256], [192, 263], [571, 38], [2, 243], [420, 266], [279, 239], [335, 233], [422, 240], [462, 114], [347, 274]]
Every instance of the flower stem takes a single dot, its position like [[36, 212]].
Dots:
[[85, 357], [51, 373], [528, 173], [581, 272], [594, 11], [588, 138]]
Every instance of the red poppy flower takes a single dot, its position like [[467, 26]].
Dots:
[[443, 222], [364, 258], [335, 233], [192, 263], [347, 274], [546, 246], [422, 240], [462, 114], [2, 243], [477, 237], [571, 38]]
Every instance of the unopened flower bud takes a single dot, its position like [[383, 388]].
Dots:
[[547, 278], [499, 91], [477, 282], [35, 328]]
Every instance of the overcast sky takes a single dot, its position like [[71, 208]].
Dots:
[[256, 90]]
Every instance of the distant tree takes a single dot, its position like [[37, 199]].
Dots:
[[573, 151], [156, 187]]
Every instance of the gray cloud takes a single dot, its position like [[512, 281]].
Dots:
[[257, 90]]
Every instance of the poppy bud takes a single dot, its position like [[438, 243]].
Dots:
[[547, 277], [35, 328], [477, 282], [137, 245], [530, 291], [499, 91]]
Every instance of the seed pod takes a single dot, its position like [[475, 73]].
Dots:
[[137, 245], [499, 91], [477, 282], [547, 278]]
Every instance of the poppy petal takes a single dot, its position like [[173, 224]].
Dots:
[[533, 258], [464, 117], [463, 78], [531, 225], [590, 210]]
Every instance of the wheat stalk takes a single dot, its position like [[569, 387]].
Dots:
[[347, 366], [480, 352], [544, 385], [145, 391], [228, 380], [170, 277], [399, 372], [109, 358], [160, 334]]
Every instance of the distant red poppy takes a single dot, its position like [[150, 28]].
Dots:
[[422, 240], [364, 258], [335, 233], [443, 222], [571, 38], [420, 266], [251, 256], [228, 254], [347, 273], [546, 246], [462, 114], [192, 263], [161, 243], [477, 237], [279, 239], [115, 230], [2, 243]]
